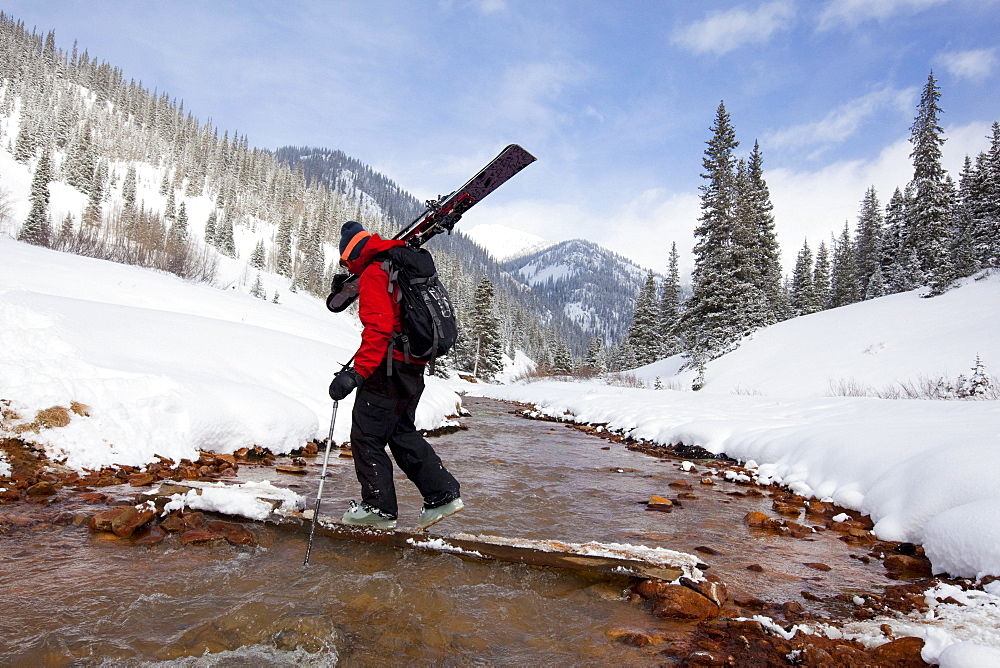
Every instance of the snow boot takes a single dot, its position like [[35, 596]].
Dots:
[[429, 516], [361, 514]]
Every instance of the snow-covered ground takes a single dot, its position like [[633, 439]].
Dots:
[[169, 367]]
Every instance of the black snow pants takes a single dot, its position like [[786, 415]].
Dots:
[[384, 411]]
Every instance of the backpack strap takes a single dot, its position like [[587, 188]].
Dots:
[[393, 273]]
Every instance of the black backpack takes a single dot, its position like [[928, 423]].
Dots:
[[429, 327]]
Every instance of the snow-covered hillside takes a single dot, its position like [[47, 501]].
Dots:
[[873, 345], [166, 366], [504, 243]]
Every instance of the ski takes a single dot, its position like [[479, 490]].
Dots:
[[442, 214]]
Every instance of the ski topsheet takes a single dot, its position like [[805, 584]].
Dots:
[[442, 214]]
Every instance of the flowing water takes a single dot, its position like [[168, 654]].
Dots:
[[69, 597]]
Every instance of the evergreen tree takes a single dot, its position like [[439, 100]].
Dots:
[[844, 288], [485, 332], [562, 358], [595, 354], [170, 212], [258, 256], [223, 237], [210, 226], [821, 278], [644, 333], [803, 292], [36, 229], [876, 285], [129, 187], [727, 303], [180, 226], [283, 248], [670, 306], [81, 161], [929, 216], [894, 244], [755, 206], [869, 241], [258, 289], [985, 204]]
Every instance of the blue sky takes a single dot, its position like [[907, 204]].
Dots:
[[615, 97]]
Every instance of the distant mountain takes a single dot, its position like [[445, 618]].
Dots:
[[590, 285], [505, 243]]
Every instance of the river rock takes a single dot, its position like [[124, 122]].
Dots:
[[785, 508], [759, 520], [634, 638], [141, 479], [149, 535], [102, 520], [902, 564], [680, 602], [817, 566], [177, 521], [125, 524], [234, 533], [900, 652], [659, 503], [43, 488], [201, 537], [714, 591]]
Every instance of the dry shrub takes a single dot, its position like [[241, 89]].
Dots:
[[49, 418], [625, 379]]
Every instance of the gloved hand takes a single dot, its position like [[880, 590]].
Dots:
[[344, 383]]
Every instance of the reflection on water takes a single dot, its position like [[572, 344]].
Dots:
[[71, 598]]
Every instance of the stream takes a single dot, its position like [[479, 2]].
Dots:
[[70, 597]]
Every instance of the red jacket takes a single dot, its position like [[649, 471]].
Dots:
[[379, 311]]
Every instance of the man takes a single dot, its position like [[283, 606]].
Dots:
[[388, 392]]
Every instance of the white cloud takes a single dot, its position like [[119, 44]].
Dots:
[[844, 121], [812, 205], [975, 65], [853, 12], [725, 31]]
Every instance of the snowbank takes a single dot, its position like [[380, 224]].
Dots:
[[874, 344], [168, 367]]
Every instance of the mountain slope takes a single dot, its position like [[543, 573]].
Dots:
[[587, 283]]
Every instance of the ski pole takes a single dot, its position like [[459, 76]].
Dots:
[[322, 479]]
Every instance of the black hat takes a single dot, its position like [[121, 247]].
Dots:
[[348, 233]]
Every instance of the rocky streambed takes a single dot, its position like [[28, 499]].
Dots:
[[786, 575]]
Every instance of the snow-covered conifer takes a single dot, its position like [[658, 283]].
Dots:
[[210, 226], [258, 256], [868, 242], [803, 295], [485, 332], [644, 332], [929, 215], [258, 288], [821, 277], [844, 287], [36, 228]]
